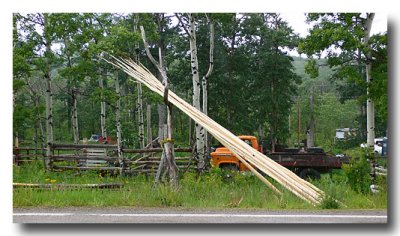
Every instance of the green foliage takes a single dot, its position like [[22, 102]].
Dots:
[[208, 190], [329, 114], [340, 37], [267, 86], [329, 203], [334, 194], [378, 88], [348, 143], [21, 118], [18, 85], [358, 172], [311, 68], [254, 81]]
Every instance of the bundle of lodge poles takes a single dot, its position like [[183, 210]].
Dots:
[[246, 154]]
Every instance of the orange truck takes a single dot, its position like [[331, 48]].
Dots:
[[304, 164]]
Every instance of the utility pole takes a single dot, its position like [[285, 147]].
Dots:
[[298, 122]]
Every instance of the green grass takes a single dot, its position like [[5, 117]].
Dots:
[[211, 190]]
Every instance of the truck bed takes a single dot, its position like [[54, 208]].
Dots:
[[300, 160]]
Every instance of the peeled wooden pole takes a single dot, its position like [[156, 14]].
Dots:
[[279, 179], [244, 152]]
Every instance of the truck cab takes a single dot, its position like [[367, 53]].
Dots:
[[223, 158]]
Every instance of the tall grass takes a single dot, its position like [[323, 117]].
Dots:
[[210, 190]]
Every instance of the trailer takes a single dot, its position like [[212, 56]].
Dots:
[[306, 164]]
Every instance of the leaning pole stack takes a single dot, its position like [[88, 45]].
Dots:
[[246, 154]]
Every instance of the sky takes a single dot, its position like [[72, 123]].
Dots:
[[297, 21]]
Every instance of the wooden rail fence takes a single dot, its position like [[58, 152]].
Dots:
[[27, 154], [101, 157]]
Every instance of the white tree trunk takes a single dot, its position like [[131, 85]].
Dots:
[[49, 119], [370, 103], [161, 120], [102, 106], [118, 123], [168, 143], [148, 126], [42, 143], [140, 115], [205, 82], [196, 93], [140, 92], [49, 100], [75, 116]]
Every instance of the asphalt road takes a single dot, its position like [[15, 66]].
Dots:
[[184, 216]]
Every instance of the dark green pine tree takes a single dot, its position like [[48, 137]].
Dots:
[[273, 81]]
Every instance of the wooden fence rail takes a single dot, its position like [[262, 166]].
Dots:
[[62, 146], [101, 157], [27, 154], [154, 150]]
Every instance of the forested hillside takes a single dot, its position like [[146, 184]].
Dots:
[[62, 88]]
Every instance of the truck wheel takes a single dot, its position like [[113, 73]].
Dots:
[[309, 173], [229, 167], [229, 171]]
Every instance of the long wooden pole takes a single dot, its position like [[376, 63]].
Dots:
[[243, 152]]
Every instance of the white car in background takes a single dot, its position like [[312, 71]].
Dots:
[[378, 143], [94, 138]]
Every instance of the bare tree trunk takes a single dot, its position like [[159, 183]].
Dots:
[[49, 99], [75, 116], [273, 118], [370, 103], [311, 127], [168, 143], [148, 126], [298, 121], [201, 164], [42, 143], [140, 93], [169, 151], [140, 115], [49, 120], [190, 132], [167, 161], [118, 123], [273, 140], [36, 137], [205, 82], [260, 133], [161, 120], [36, 101], [290, 130], [201, 135], [103, 105], [39, 135], [161, 108], [161, 166]]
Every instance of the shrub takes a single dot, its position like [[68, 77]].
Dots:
[[329, 203], [348, 143], [358, 172]]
